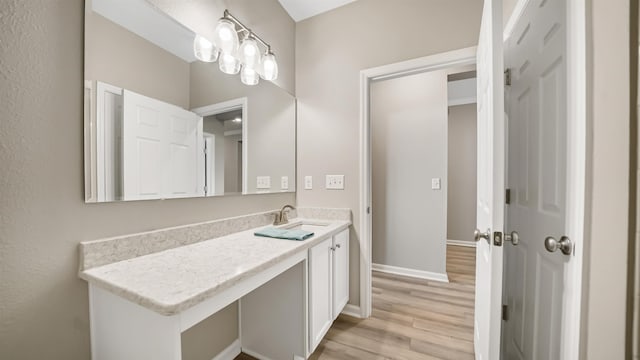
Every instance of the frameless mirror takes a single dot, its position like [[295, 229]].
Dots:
[[159, 124]]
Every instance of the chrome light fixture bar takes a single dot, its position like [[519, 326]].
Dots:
[[233, 56]]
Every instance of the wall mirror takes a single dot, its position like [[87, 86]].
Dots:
[[159, 124]]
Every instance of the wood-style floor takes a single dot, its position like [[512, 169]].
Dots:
[[411, 318]]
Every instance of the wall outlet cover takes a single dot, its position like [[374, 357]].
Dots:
[[263, 182], [284, 183], [435, 184], [335, 182], [308, 182]]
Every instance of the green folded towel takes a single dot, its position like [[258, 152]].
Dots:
[[288, 234]]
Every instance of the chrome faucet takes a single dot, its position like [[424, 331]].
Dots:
[[281, 216]]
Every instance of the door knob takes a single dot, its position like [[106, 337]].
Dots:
[[477, 235], [513, 237], [552, 245]]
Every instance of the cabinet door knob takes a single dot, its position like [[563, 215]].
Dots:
[[337, 246]]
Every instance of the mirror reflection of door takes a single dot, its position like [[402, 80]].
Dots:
[[223, 161]]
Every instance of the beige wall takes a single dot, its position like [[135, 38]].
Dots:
[[43, 305], [331, 50], [408, 149], [119, 57], [461, 197], [604, 301]]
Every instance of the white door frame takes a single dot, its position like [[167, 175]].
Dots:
[[576, 169], [461, 57], [225, 106]]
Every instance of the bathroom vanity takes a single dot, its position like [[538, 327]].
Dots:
[[289, 291]]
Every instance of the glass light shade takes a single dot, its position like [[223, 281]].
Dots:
[[204, 50], [228, 64], [249, 53], [249, 76], [226, 37], [269, 67]]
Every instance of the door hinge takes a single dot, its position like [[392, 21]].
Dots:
[[368, 209], [507, 77], [505, 313], [507, 196], [497, 238]]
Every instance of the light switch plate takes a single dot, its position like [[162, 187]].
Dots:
[[435, 184], [263, 182], [335, 182], [308, 182], [284, 183]]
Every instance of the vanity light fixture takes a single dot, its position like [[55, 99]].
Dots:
[[204, 49], [234, 57]]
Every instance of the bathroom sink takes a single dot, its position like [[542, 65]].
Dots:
[[306, 225]]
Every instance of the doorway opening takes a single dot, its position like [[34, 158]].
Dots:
[[435, 65]]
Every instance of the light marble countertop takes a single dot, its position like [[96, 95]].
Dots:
[[171, 281]]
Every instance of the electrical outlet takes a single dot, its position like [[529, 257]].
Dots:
[[335, 182], [263, 182], [284, 183], [308, 182], [435, 184]]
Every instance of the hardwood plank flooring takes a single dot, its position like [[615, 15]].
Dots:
[[411, 318]]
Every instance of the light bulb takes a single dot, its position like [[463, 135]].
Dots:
[[228, 64], [204, 50], [249, 53], [269, 67], [225, 36], [249, 76]]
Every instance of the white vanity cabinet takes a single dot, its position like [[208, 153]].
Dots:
[[328, 284], [340, 272]]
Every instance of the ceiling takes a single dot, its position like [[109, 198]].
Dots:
[[302, 9]]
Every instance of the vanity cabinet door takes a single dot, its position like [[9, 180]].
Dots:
[[320, 292], [340, 272]]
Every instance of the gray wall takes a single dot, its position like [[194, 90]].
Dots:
[[232, 163], [408, 149], [215, 127], [606, 225], [142, 67], [461, 197], [331, 50], [43, 305]]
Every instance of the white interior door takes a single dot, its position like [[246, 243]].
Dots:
[[536, 53], [185, 167], [490, 194], [163, 153]]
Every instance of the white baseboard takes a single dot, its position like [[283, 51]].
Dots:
[[352, 310], [461, 243], [230, 352], [420, 274], [262, 357]]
